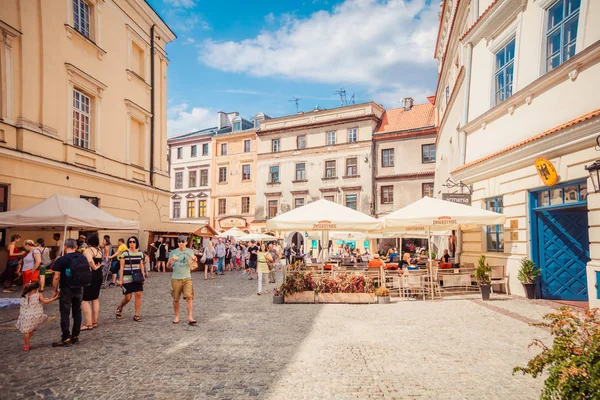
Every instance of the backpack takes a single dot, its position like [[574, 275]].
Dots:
[[79, 273]]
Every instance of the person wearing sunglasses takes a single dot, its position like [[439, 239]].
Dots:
[[131, 277], [181, 260]]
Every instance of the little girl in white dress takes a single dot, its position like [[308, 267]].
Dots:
[[32, 312]]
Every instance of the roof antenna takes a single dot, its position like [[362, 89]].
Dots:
[[342, 94], [352, 99], [296, 100]]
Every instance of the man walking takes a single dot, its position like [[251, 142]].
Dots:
[[253, 252], [160, 250], [287, 252], [181, 260], [221, 250], [70, 298]]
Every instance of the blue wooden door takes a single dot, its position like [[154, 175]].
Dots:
[[564, 253]]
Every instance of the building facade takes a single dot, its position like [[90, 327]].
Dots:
[[318, 154], [405, 156], [83, 106], [520, 115], [191, 157], [234, 172]]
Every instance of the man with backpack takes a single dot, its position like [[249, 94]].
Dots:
[[71, 273]]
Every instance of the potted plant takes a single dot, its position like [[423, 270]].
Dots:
[[277, 296], [527, 275], [483, 277], [383, 295]]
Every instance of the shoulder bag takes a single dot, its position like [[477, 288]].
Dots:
[[136, 277]]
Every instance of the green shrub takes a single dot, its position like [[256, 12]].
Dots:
[[483, 272], [573, 361], [528, 271]]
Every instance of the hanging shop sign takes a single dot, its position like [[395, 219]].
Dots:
[[546, 171], [460, 198], [232, 222]]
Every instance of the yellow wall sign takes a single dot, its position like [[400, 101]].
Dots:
[[546, 171]]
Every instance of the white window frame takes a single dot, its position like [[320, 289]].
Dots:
[[390, 160], [82, 113], [331, 138], [236, 124], [502, 70], [561, 28], [94, 38], [392, 194], [178, 209], [303, 137], [356, 166], [195, 174], [249, 178], [353, 132], [301, 199], [180, 153], [79, 18], [192, 148], [296, 170], [334, 169], [200, 177], [275, 145], [271, 172], [497, 44]]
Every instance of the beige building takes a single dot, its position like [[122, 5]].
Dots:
[[518, 95], [83, 100], [318, 154], [405, 156]]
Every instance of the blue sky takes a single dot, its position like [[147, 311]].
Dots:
[[251, 56]]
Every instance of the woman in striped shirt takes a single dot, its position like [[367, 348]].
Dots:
[[132, 261]]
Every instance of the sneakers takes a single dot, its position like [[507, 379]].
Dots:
[[62, 343]]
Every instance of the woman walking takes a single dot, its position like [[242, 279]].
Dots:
[[209, 253], [132, 276], [10, 273], [90, 305], [31, 262], [46, 261], [263, 257]]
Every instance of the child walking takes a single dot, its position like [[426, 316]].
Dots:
[[32, 312]]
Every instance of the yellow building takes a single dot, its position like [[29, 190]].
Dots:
[[83, 87], [234, 172]]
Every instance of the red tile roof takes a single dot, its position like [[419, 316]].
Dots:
[[542, 135], [398, 119]]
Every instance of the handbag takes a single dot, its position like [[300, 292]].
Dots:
[[136, 277]]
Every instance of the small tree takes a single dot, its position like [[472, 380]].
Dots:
[[573, 362], [528, 271], [483, 272]]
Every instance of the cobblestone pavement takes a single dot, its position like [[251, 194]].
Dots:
[[245, 347]]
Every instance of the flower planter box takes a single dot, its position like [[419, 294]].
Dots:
[[350, 298], [383, 300], [300, 297]]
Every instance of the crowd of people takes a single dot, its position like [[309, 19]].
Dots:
[[86, 265]]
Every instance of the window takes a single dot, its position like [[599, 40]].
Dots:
[[495, 233], [222, 174], [247, 146], [137, 59], [447, 94], [176, 210], [274, 174], [245, 205], [3, 208], [330, 169], [428, 153], [81, 119], [427, 189], [81, 17], [223, 149], [178, 180], [301, 171], [387, 157], [202, 208], [330, 138], [351, 166], [222, 206], [298, 202], [205, 149], [387, 195], [203, 177], [191, 209], [194, 151], [330, 198], [92, 200], [352, 135], [179, 153], [561, 32], [505, 60], [275, 145], [301, 142], [192, 179], [272, 208], [237, 126], [351, 201], [246, 172]]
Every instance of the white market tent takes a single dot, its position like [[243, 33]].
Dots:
[[434, 215], [233, 232], [258, 237]]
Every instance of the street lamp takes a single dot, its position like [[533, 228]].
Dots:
[[594, 169]]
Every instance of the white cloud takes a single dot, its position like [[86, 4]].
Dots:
[[189, 40], [181, 121], [376, 43], [242, 91], [270, 18], [181, 3]]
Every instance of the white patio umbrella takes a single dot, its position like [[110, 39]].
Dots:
[[427, 215], [233, 232], [258, 237]]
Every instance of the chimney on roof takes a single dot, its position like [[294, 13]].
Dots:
[[223, 120], [408, 103]]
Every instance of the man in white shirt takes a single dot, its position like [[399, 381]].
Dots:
[[220, 250]]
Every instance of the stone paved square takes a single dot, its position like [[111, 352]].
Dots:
[[245, 347]]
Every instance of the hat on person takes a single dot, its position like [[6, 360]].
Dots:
[[82, 237], [29, 242], [182, 238]]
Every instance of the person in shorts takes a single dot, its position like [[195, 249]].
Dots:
[[161, 248], [181, 260], [253, 257], [132, 262]]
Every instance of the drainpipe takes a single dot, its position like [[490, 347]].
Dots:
[[152, 119]]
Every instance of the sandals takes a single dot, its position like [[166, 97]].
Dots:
[[192, 322], [119, 312], [95, 325], [87, 327], [26, 348], [137, 318]]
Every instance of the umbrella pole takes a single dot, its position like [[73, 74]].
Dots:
[[430, 262]]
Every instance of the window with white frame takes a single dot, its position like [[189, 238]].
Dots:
[[351, 201], [205, 149], [352, 135], [301, 142], [387, 195], [179, 153], [561, 32], [194, 151], [246, 172], [301, 171], [330, 168], [387, 157], [275, 145], [351, 166], [176, 210], [192, 179], [330, 138], [274, 174], [505, 60], [427, 189], [81, 119], [428, 153], [495, 233], [81, 17], [237, 125], [222, 174], [178, 180], [203, 177]]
